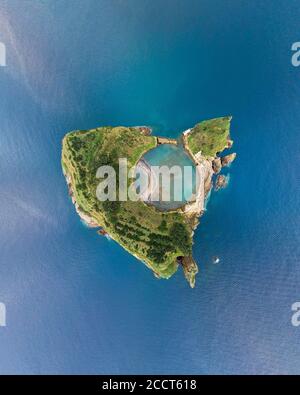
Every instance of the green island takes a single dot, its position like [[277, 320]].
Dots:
[[162, 240]]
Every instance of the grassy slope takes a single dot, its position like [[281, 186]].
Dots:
[[210, 137], [156, 238]]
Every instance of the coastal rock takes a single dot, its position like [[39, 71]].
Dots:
[[229, 143], [87, 219], [221, 182], [228, 159], [145, 130], [190, 269], [166, 140], [217, 165]]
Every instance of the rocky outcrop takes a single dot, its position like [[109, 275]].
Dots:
[[145, 130], [228, 159], [217, 165], [190, 268], [221, 182], [165, 140], [195, 208], [89, 221], [229, 143]]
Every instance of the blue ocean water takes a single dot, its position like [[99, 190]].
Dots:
[[77, 303]]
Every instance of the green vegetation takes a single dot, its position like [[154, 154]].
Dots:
[[154, 237], [210, 137]]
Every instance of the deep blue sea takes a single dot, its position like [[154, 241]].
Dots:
[[78, 303]]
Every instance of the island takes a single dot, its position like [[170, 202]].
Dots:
[[162, 240]]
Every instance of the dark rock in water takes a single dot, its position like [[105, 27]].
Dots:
[[102, 232], [221, 182], [226, 160]]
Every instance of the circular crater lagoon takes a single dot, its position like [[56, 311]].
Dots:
[[171, 177]]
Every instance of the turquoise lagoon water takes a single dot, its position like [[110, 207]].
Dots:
[[182, 183], [77, 303]]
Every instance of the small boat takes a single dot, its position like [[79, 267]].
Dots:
[[216, 260]]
